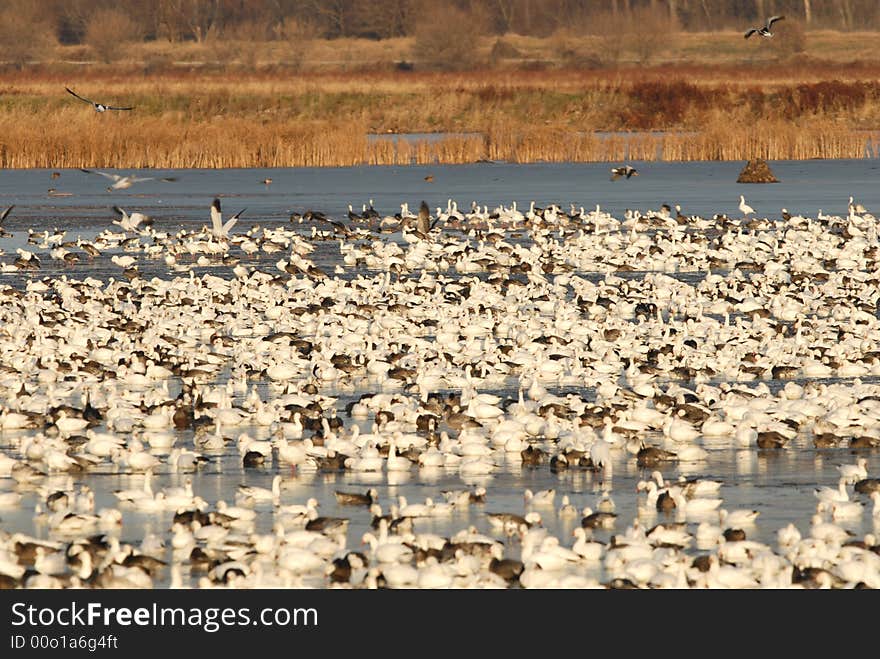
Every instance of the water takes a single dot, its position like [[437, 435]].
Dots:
[[777, 483], [702, 188]]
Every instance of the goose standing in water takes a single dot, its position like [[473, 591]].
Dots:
[[253, 494], [744, 207]]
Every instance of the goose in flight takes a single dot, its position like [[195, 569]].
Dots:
[[764, 30], [424, 224], [122, 182], [130, 222], [99, 107], [218, 229], [626, 170]]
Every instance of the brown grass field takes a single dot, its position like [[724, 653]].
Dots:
[[702, 97]]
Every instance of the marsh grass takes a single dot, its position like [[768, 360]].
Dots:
[[187, 119]]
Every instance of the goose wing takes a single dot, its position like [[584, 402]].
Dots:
[[227, 226], [123, 220], [113, 107], [85, 100], [773, 19], [6, 212], [216, 216], [750, 32], [424, 221], [112, 177]]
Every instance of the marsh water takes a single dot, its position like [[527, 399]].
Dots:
[[779, 483]]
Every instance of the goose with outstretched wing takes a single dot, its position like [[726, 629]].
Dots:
[[99, 107]]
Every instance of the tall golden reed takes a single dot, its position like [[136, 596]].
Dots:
[[204, 121]]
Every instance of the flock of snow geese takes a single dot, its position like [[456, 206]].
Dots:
[[660, 333]]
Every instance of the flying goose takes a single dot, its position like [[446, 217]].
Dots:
[[627, 170], [122, 182], [764, 30], [99, 107], [423, 221], [130, 222]]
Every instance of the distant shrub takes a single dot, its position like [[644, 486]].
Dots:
[[789, 38], [447, 38], [827, 96], [657, 104], [491, 94], [502, 50], [648, 32], [609, 29], [108, 33], [25, 34]]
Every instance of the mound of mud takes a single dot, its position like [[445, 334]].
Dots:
[[757, 171]]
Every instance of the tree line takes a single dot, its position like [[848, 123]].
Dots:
[[68, 21]]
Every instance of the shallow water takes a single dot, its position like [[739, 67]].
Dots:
[[777, 483]]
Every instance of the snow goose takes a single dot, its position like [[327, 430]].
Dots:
[[121, 182], [219, 229], [852, 473], [741, 518], [254, 494], [744, 208], [540, 497]]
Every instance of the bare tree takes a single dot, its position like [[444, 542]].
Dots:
[[189, 18], [808, 12], [445, 37], [109, 31], [25, 33], [336, 17]]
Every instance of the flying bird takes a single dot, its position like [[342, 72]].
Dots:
[[218, 229], [626, 170], [424, 223], [130, 222], [99, 107], [764, 30], [122, 182]]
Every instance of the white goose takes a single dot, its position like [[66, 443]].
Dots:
[[219, 229], [252, 493], [744, 208]]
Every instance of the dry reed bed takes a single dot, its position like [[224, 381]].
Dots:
[[206, 121], [228, 143]]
